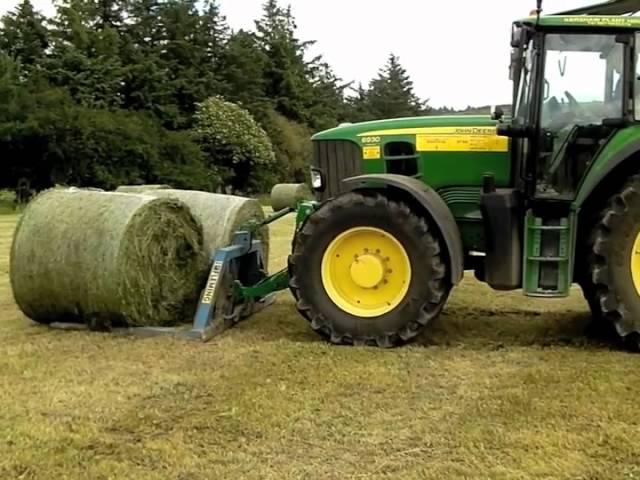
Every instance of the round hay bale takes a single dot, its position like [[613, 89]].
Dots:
[[220, 215], [140, 188], [107, 258], [88, 189], [285, 195]]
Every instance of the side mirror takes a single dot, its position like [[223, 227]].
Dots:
[[516, 36], [515, 64], [514, 131], [496, 112]]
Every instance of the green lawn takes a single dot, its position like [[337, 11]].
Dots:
[[7, 202], [502, 387]]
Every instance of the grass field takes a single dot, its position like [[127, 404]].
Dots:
[[7, 202], [501, 387]]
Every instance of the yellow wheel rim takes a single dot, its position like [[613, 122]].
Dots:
[[366, 272], [635, 263]]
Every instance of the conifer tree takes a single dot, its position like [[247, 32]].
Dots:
[[391, 94], [24, 35]]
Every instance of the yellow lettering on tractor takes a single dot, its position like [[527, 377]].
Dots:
[[448, 139], [461, 143]]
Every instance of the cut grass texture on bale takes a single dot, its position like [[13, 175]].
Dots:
[[286, 195], [92, 257], [140, 188], [220, 215]]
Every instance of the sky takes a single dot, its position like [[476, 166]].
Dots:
[[454, 58]]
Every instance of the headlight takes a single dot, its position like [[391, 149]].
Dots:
[[316, 179]]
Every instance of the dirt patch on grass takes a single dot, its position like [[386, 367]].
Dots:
[[501, 387]]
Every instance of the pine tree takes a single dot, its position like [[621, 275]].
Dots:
[[306, 91], [285, 75], [85, 57], [146, 80], [391, 94], [215, 32], [185, 54], [242, 71], [24, 36], [358, 105], [328, 105], [109, 13], [141, 29]]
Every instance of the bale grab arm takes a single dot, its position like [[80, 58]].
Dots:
[[225, 299], [244, 257]]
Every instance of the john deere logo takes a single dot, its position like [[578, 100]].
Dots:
[[475, 131]]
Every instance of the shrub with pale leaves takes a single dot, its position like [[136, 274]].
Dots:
[[234, 142]]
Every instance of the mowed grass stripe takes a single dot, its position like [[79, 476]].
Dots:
[[8, 220]]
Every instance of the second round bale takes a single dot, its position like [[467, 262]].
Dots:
[[285, 195], [220, 215], [140, 188]]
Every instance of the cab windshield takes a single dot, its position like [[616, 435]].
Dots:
[[582, 81], [582, 87]]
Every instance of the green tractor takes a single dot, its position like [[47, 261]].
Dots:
[[538, 200]]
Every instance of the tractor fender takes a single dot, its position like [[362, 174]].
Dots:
[[601, 170], [430, 202]]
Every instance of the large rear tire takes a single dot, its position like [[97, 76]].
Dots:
[[615, 262], [366, 270]]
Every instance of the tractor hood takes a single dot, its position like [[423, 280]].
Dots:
[[400, 126]]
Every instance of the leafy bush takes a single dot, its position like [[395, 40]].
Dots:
[[181, 164], [292, 145], [49, 139], [235, 145]]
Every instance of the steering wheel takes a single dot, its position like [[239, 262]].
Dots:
[[567, 116], [572, 100]]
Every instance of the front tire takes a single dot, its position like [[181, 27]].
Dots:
[[366, 270], [615, 262]]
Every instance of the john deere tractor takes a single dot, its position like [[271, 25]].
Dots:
[[536, 200]]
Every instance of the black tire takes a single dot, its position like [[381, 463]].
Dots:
[[583, 278], [427, 292], [599, 328], [613, 237], [591, 296]]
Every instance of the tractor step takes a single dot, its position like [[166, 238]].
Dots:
[[548, 255]]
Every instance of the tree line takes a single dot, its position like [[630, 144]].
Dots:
[[110, 92]]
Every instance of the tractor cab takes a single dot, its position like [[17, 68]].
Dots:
[[575, 80], [574, 87]]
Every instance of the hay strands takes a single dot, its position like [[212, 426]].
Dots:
[[236, 288]]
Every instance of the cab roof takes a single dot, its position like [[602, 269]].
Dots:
[[608, 14], [568, 21]]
